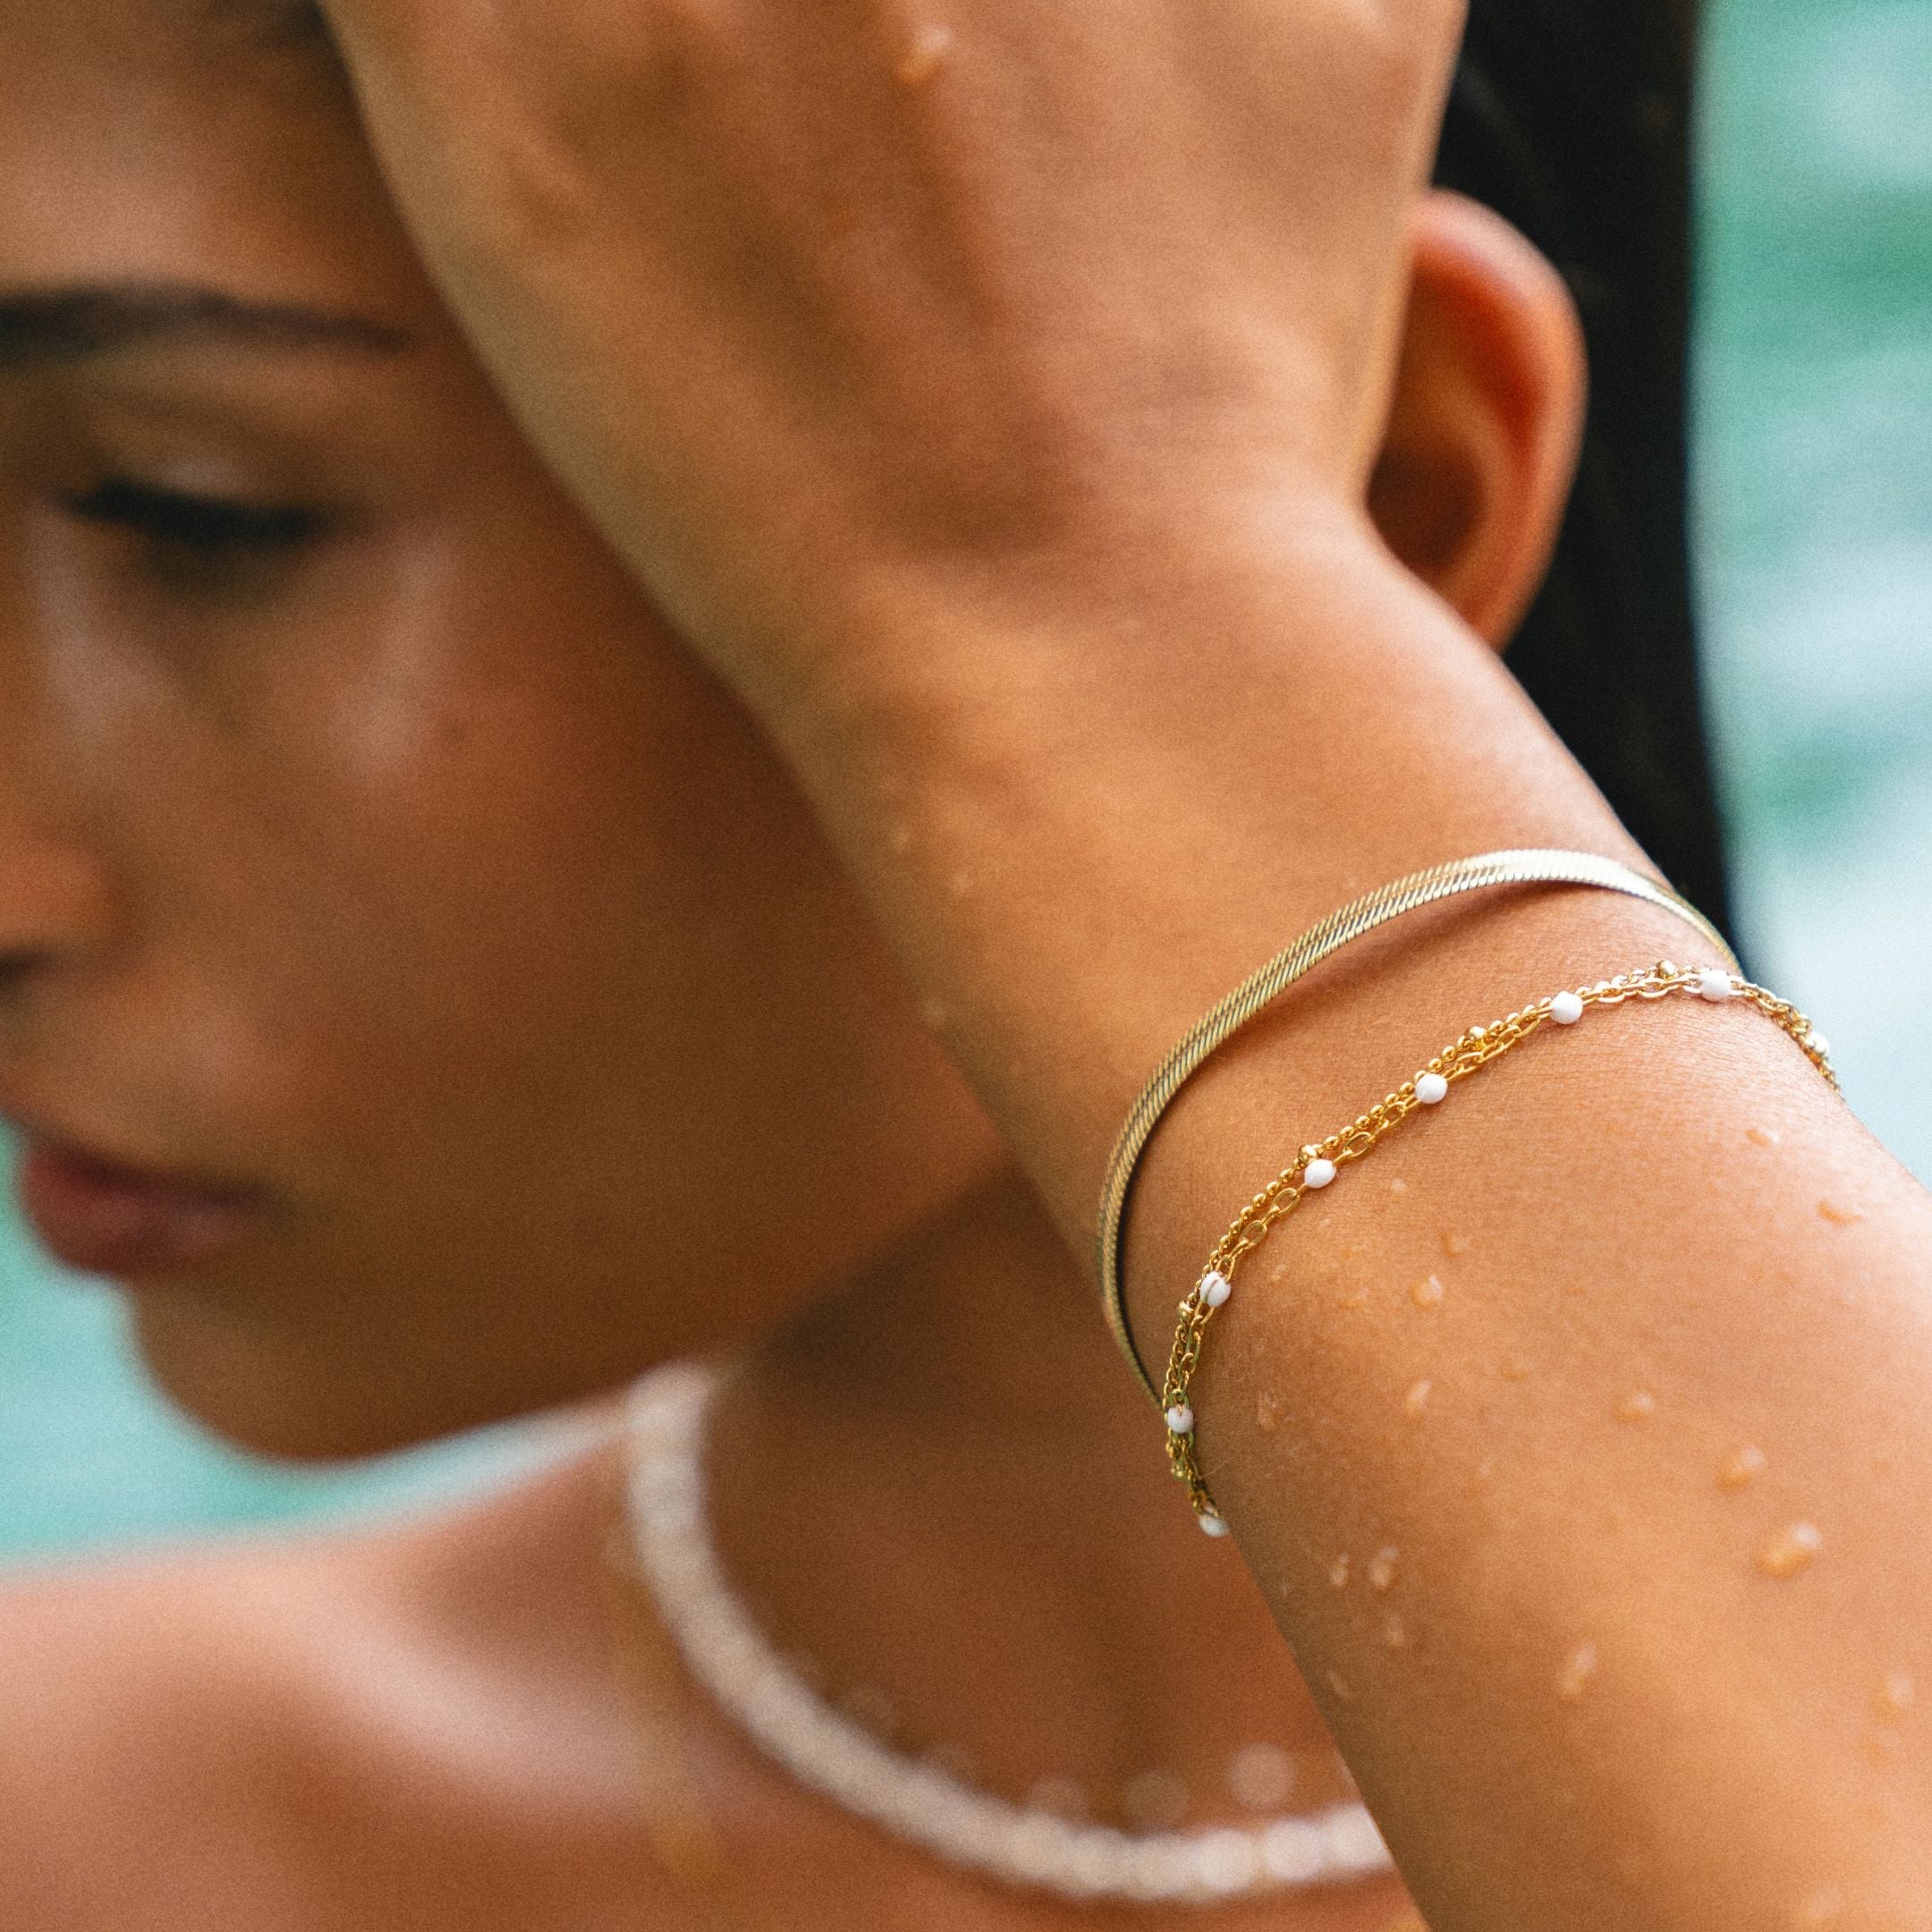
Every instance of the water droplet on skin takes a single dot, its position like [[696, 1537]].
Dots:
[[1395, 1631], [1383, 1566], [1639, 1406], [1578, 1673], [1764, 1136], [1268, 1411], [1838, 1216], [1894, 1695], [1453, 1244], [1791, 1551], [1821, 1909], [1741, 1468], [1339, 1685], [1338, 1571], [1882, 1748], [1398, 1187], [924, 54], [1427, 1293], [1515, 1369], [1279, 1271], [1416, 1400], [1261, 1777]]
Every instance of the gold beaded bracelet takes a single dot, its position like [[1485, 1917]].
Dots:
[[1533, 865], [1319, 1163]]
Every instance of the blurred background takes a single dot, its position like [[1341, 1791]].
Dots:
[[1814, 491]]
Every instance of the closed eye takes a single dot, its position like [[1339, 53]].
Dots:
[[212, 526]]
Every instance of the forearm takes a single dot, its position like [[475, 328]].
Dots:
[[1080, 826], [805, 326]]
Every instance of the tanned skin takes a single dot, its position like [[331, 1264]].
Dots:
[[753, 769]]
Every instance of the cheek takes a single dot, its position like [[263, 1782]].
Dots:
[[563, 1038], [444, 850], [493, 928], [529, 854], [574, 949]]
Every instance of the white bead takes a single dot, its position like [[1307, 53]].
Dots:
[[1226, 1863], [1293, 1851], [1037, 1847], [1180, 1420], [1215, 1288], [1093, 1863], [1821, 1046], [1431, 1088], [1318, 1174], [1566, 1009], [1163, 1867], [1212, 1526], [1714, 983], [1355, 1846]]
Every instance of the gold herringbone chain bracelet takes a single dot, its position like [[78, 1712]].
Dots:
[[1319, 1163]]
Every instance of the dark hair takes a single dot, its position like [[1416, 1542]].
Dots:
[[1571, 118]]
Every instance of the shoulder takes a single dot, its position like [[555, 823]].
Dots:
[[189, 1739], [139, 1699]]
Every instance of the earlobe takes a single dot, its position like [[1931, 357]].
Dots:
[[1485, 418]]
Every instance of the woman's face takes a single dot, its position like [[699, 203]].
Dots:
[[469, 994]]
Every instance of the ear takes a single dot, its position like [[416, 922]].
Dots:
[[1487, 416]]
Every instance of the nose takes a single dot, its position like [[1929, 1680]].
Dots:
[[52, 896], [50, 902]]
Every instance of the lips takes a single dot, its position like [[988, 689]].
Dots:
[[103, 1218]]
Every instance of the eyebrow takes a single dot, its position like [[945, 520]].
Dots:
[[40, 328]]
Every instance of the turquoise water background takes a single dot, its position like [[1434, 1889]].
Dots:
[[1814, 487]]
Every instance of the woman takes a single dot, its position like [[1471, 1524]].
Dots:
[[443, 979]]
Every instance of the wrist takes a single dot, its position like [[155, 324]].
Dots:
[[1083, 809], [1153, 600]]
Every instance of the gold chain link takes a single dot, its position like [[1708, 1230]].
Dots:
[[1476, 1049], [1260, 989]]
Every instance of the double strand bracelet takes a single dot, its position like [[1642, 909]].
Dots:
[[1319, 1162], [1523, 866]]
